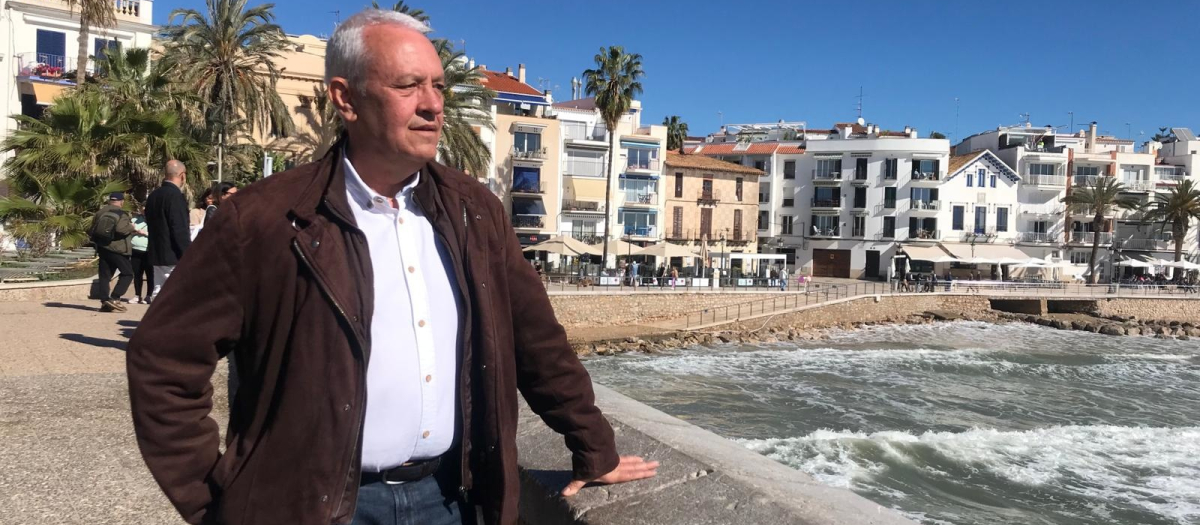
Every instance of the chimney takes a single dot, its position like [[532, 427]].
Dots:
[[483, 67], [521, 73], [1091, 137], [549, 97], [471, 63], [508, 71]]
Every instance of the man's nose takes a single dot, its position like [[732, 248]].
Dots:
[[432, 101]]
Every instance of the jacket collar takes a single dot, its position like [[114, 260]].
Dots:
[[328, 188]]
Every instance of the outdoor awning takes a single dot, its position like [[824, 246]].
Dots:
[[986, 251], [923, 253], [518, 98], [528, 206], [44, 93], [639, 176]]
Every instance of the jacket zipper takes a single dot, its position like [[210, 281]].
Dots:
[[362, 376]]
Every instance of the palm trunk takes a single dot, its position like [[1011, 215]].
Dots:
[[607, 197], [1092, 277], [82, 56], [1179, 230]]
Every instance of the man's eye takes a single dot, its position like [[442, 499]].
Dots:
[[440, 86]]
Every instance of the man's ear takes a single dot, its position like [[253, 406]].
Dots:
[[342, 98]]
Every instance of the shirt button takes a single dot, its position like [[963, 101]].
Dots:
[[324, 499], [379, 200], [428, 378], [425, 434], [412, 269], [346, 408], [401, 220], [421, 323]]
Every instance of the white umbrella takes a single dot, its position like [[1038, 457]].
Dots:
[[1010, 260], [563, 245], [1134, 263], [945, 259], [1032, 263], [615, 247], [979, 260], [1186, 265], [666, 249]]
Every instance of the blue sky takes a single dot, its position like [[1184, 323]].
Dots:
[[752, 61]]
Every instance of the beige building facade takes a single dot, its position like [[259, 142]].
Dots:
[[710, 201]]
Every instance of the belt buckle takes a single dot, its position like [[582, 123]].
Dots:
[[384, 477]]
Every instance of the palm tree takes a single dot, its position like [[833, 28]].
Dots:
[[400, 7], [227, 56], [97, 13], [614, 82], [60, 210], [465, 100], [677, 132], [1102, 195], [1176, 208], [324, 125]]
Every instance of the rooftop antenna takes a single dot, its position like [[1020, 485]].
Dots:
[[575, 87], [1024, 118], [1071, 129], [337, 16], [956, 106], [721, 117], [860, 101]]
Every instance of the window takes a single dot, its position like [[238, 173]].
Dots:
[[1041, 226], [642, 158], [1001, 219], [103, 48], [706, 186], [785, 226], [52, 48], [956, 220], [922, 195], [889, 198], [788, 203], [1079, 257], [993, 181], [890, 168], [829, 168], [584, 163], [677, 222], [860, 198], [1043, 169], [970, 180], [764, 217], [738, 189], [925, 169], [737, 225], [826, 226], [859, 226], [678, 185], [860, 169], [980, 219], [827, 197], [764, 195], [760, 165], [706, 222], [524, 141], [528, 180], [1087, 171], [638, 191], [789, 169], [982, 176], [889, 227], [637, 222]]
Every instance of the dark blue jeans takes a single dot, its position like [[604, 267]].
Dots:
[[431, 501]]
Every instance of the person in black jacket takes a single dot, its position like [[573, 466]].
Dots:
[[167, 219]]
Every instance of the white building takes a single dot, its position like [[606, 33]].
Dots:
[[41, 41]]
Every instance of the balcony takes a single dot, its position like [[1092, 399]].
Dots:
[[583, 167], [924, 235], [643, 166], [926, 177], [709, 197], [826, 204], [1042, 210], [1163, 242], [587, 238], [1033, 148], [1085, 180], [1053, 182], [535, 222], [828, 178], [1038, 237], [832, 232], [581, 132], [1138, 185], [924, 206], [885, 207], [858, 205], [131, 10], [574, 206], [529, 155], [641, 231], [860, 179], [528, 188], [1089, 237], [49, 68], [640, 198], [1171, 175]]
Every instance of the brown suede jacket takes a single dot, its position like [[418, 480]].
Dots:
[[284, 280]]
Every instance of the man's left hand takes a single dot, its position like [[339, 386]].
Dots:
[[631, 468]]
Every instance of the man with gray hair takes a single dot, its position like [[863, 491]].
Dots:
[[383, 320]]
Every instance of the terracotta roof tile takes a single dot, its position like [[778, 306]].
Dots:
[[675, 160], [789, 149], [957, 162], [503, 83], [731, 148], [582, 103]]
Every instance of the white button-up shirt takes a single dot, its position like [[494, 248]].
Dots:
[[414, 330]]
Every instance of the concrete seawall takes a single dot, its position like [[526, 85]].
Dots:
[[703, 479]]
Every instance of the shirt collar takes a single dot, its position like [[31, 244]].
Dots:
[[364, 196]]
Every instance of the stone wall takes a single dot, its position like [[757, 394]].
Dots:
[[583, 310], [77, 290], [884, 308], [1182, 309]]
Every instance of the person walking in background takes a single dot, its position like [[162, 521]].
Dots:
[[633, 273], [221, 192], [674, 277], [783, 279], [110, 232], [196, 215], [167, 219], [143, 271]]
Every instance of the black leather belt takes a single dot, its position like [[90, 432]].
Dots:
[[411, 471]]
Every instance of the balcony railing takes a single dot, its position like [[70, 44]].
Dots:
[[641, 231], [1048, 181], [49, 67], [858, 204], [708, 196], [583, 206], [528, 221], [885, 207], [578, 167], [923, 234], [581, 131], [587, 238], [926, 176], [920, 205], [529, 154], [528, 187], [1156, 242], [1085, 180], [1170, 174], [830, 232], [1090, 237], [1138, 185], [1039, 237], [1033, 148], [1042, 209], [828, 176], [643, 165], [641, 197], [826, 203]]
